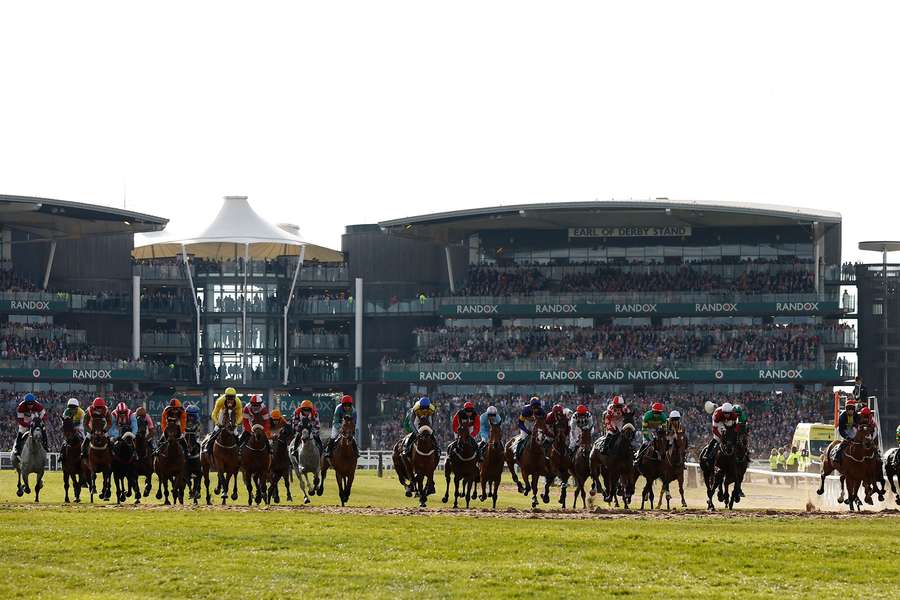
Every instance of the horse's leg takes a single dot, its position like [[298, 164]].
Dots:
[[841, 499], [248, 483], [234, 486], [66, 485], [563, 486], [447, 471], [287, 485], [511, 465], [340, 486], [38, 485]]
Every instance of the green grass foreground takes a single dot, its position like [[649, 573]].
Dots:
[[152, 552]]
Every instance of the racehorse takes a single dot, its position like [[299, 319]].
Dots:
[[650, 465], [144, 462], [281, 464], [306, 459], [169, 467], [726, 468], [581, 468], [32, 459], [193, 467], [99, 460], [673, 469], [462, 463], [616, 468], [123, 468], [224, 458], [416, 474], [560, 462], [532, 463], [71, 460], [892, 470], [343, 459], [255, 464], [492, 466], [856, 466]]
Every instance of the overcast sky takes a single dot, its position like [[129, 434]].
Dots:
[[331, 113]]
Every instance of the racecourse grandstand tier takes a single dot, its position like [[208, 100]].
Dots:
[[601, 297]]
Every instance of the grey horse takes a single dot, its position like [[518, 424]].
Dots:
[[306, 460], [33, 459]]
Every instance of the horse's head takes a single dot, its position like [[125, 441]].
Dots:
[[305, 433], [496, 432], [628, 432], [347, 425], [68, 428], [173, 431], [585, 437], [37, 425], [426, 437], [257, 431]]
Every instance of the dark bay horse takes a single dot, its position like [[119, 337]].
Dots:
[[560, 462], [856, 466], [124, 461], [255, 464], [99, 460], [72, 467], [650, 465], [343, 460], [462, 464], [416, 474], [673, 469], [892, 471], [532, 463], [144, 463], [492, 466], [224, 458], [193, 467], [616, 468], [727, 468], [581, 468], [281, 464], [169, 467]]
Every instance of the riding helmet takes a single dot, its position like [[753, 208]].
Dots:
[[674, 415], [657, 407], [581, 409], [231, 392], [72, 402], [29, 397], [276, 414], [469, 405], [424, 402], [192, 409], [255, 399], [535, 401], [98, 402], [492, 410], [866, 411], [727, 407], [175, 403], [346, 399], [557, 408]]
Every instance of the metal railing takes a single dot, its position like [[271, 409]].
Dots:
[[320, 341], [579, 364], [166, 340]]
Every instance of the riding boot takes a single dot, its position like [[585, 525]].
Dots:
[[329, 447], [44, 442], [407, 449], [355, 447], [184, 446], [17, 447], [84, 446]]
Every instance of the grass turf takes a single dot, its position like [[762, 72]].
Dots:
[[102, 551]]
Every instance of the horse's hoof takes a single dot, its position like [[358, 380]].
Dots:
[[444, 499], [19, 493], [408, 494], [869, 501], [167, 503], [820, 492], [234, 496], [138, 501], [881, 497], [306, 501]]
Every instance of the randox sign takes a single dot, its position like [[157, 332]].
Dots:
[[640, 308], [33, 306], [663, 375], [74, 374]]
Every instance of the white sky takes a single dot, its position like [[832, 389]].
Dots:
[[331, 113]]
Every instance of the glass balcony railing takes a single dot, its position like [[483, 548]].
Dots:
[[538, 365], [320, 341], [157, 272], [166, 340]]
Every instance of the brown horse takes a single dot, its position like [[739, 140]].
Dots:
[[144, 464], [281, 464], [581, 468], [255, 464], [532, 463], [650, 465], [560, 462], [492, 466], [416, 474], [728, 468], [673, 469], [343, 459], [462, 463], [892, 470], [169, 467], [72, 466], [99, 460], [193, 466], [616, 468], [123, 468], [856, 466], [224, 458]]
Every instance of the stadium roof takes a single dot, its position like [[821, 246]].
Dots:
[[61, 219], [235, 230], [456, 225]]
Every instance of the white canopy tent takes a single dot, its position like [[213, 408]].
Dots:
[[237, 232]]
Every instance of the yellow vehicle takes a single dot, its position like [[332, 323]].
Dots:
[[814, 438]]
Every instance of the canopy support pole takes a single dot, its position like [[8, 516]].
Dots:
[[49, 264], [187, 268], [244, 316], [287, 308]]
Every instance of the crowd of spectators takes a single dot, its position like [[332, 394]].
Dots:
[[12, 282], [54, 403], [773, 417], [46, 342], [666, 344], [490, 281]]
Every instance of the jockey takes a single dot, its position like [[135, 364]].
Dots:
[[173, 415], [307, 410], [723, 418], [225, 402], [121, 420], [277, 422], [581, 421], [867, 417], [420, 414], [95, 417], [342, 411], [528, 415], [615, 417], [74, 413], [488, 417], [192, 421], [256, 413], [847, 422], [556, 419], [673, 425], [465, 419], [653, 424], [740, 414], [29, 408], [138, 416]]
